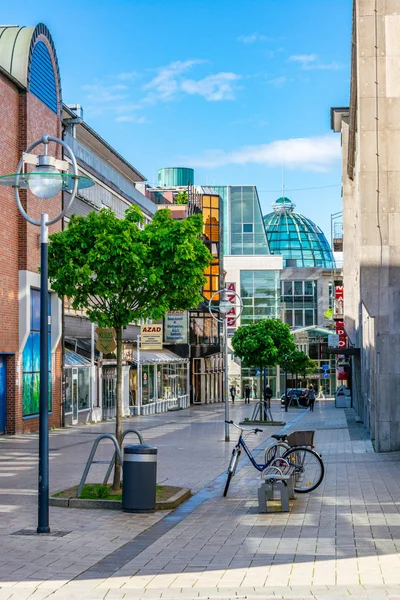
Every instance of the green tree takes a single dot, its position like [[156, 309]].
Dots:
[[298, 362], [263, 343], [121, 273], [181, 198]]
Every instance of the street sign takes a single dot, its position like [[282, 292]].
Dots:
[[106, 340], [325, 367], [151, 337], [325, 375], [333, 340], [176, 328]]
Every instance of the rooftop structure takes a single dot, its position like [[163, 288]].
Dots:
[[296, 238]]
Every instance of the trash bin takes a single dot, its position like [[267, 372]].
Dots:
[[139, 478]]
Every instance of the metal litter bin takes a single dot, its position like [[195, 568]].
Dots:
[[139, 478]]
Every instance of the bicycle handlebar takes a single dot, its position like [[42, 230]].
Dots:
[[255, 430]]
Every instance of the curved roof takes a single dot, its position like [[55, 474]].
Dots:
[[16, 49], [296, 237]]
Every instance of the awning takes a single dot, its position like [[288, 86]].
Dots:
[[157, 357], [72, 359]]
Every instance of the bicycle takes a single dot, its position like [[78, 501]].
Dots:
[[309, 469]]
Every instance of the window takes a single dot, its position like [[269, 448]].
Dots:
[[31, 360], [247, 227], [287, 288], [259, 291], [83, 389], [299, 299]]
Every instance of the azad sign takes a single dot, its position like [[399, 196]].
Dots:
[[106, 340], [152, 337]]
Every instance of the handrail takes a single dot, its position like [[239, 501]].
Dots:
[[110, 466], [91, 456]]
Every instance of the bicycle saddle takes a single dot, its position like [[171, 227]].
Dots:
[[279, 437]]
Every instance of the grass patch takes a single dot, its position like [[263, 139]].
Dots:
[[97, 491]]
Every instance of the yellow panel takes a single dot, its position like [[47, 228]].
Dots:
[[215, 201]]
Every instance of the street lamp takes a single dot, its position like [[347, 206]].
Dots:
[[223, 309], [49, 177]]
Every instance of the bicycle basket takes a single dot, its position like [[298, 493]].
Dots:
[[301, 438]]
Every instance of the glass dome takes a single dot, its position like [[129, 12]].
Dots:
[[299, 240]]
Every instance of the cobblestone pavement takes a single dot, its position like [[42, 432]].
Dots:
[[341, 541]]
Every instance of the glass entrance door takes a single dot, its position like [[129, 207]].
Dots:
[[74, 396]]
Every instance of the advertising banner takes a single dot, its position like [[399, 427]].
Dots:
[[152, 337], [176, 327]]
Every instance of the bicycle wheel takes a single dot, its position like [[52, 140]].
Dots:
[[232, 468], [308, 468]]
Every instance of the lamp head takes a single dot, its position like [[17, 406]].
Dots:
[[45, 181], [224, 304]]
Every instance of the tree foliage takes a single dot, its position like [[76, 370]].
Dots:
[[262, 343], [297, 362], [181, 198], [120, 272]]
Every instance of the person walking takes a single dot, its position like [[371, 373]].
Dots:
[[247, 394], [311, 398], [233, 393], [267, 400], [321, 393]]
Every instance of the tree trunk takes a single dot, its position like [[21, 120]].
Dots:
[[118, 422]]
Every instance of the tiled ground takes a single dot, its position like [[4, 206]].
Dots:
[[339, 542]]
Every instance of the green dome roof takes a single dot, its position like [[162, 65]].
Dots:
[[296, 238]]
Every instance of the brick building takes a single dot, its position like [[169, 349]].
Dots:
[[30, 105]]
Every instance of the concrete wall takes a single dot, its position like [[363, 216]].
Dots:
[[371, 217]]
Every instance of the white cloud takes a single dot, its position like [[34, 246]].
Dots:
[[310, 154], [309, 62], [130, 119], [127, 76], [98, 93], [166, 84], [278, 81], [170, 83], [253, 38], [213, 88]]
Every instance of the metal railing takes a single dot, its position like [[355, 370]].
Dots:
[[164, 405], [90, 460], [112, 462]]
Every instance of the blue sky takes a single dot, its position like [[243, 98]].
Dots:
[[232, 88]]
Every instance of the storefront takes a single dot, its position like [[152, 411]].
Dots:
[[158, 381], [207, 379], [77, 405]]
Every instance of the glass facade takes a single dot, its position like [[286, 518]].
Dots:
[[299, 303], [245, 234], [211, 233], [259, 291], [299, 240], [31, 360]]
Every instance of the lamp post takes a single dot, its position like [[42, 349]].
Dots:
[[49, 177], [224, 308]]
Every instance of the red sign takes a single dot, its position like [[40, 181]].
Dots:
[[231, 320]]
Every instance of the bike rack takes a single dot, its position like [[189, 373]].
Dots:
[[260, 408], [112, 462], [93, 452]]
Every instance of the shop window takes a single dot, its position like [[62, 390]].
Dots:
[[31, 360], [83, 389], [68, 391]]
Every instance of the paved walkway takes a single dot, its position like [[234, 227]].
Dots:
[[339, 542]]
